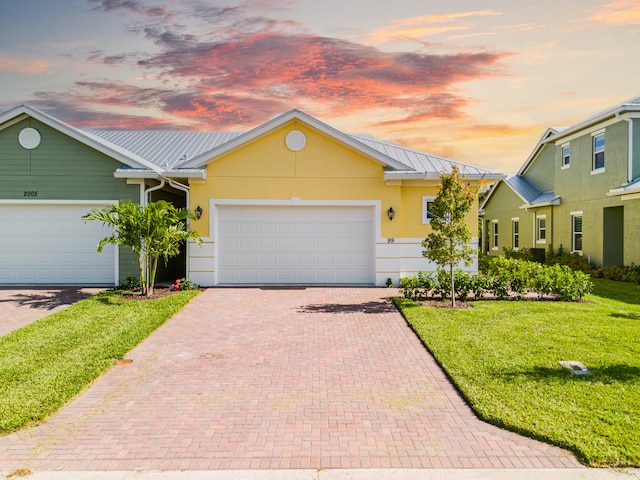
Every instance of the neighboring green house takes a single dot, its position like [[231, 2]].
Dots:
[[579, 190]]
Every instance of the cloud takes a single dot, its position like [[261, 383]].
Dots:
[[618, 12], [130, 6], [342, 74], [427, 25], [35, 66], [85, 103], [237, 66]]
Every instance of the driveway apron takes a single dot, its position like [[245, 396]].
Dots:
[[250, 378]]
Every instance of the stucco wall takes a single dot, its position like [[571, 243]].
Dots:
[[265, 170]]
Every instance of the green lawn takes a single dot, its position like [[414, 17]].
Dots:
[[503, 356], [47, 363]]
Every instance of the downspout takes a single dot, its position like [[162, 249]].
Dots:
[[145, 197], [630, 154], [186, 190]]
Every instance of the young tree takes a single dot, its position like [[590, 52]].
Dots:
[[152, 231], [448, 244]]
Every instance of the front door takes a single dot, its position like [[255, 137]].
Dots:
[[613, 237]]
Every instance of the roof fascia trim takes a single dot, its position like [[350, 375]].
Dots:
[[271, 125], [544, 139], [609, 114], [490, 194]]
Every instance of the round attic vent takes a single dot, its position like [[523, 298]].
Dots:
[[296, 140], [29, 138]]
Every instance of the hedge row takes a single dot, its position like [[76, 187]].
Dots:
[[504, 278]]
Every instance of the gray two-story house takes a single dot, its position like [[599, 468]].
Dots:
[[579, 189]]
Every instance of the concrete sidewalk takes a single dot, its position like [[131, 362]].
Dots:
[[361, 474]]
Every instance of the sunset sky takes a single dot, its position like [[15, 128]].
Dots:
[[477, 82]]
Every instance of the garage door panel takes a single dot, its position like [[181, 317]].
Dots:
[[307, 245]]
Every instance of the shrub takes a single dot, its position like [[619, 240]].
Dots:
[[504, 277], [183, 284], [613, 272], [522, 254], [463, 283], [417, 287], [571, 259], [131, 284], [443, 284], [480, 284]]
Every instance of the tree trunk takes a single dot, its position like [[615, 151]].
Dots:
[[453, 289]]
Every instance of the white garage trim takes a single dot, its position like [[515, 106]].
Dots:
[[46, 242], [371, 207]]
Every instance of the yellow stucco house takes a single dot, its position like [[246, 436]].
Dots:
[[293, 201]]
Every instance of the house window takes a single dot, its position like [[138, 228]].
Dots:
[[515, 232], [542, 229], [576, 232], [566, 155], [598, 152], [494, 235], [427, 203]]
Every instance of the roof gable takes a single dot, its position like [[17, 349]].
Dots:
[[548, 133], [282, 120], [117, 153]]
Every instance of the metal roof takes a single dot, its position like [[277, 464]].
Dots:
[[631, 105], [530, 193], [418, 162], [169, 150], [523, 187], [164, 148]]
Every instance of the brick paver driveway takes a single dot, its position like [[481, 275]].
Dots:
[[253, 378]]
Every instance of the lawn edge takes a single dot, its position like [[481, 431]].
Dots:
[[496, 422]]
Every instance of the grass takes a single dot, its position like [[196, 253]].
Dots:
[[45, 364], [503, 357]]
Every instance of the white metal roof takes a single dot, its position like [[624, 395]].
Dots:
[[169, 150], [420, 162], [166, 149]]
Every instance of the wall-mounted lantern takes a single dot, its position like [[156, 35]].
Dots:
[[391, 213], [198, 212]]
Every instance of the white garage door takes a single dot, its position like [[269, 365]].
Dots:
[[295, 245], [52, 245]]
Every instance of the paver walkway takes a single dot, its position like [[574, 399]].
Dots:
[[251, 378]]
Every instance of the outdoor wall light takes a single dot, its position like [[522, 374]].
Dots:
[[198, 212], [391, 213]]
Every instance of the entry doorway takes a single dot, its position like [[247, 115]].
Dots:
[[613, 236]]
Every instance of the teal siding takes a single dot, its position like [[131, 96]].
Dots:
[[59, 169]]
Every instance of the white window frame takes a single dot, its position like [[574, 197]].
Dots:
[[538, 229], [494, 235], [515, 236], [426, 200], [594, 135], [573, 232], [565, 156]]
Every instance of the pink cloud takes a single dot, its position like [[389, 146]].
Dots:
[[248, 67], [36, 66], [618, 12]]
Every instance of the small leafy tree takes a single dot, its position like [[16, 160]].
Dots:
[[152, 231], [448, 244]]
